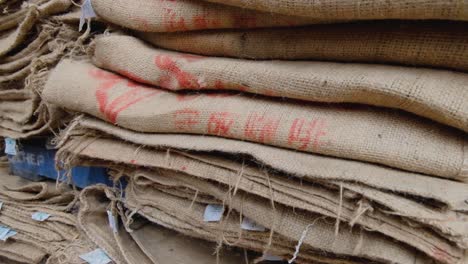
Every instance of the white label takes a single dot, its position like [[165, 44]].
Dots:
[[272, 257], [113, 221], [97, 256], [213, 213], [40, 216], [10, 146], [1, 205], [249, 224], [6, 232], [87, 11]]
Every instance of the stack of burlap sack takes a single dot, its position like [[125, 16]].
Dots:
[[44, 229], [317, 142], [33, 38]]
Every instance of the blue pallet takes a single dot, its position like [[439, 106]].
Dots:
[[35, 162]]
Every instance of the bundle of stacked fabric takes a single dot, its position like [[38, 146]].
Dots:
[[334, 160], [32, 41]]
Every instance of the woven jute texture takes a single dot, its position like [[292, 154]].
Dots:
[[436, 94], [284, 191], [93, 219], [185, 15], [33, 12], [281, 220], [360, 10], [303, 165], [379, 135], [431, 44]]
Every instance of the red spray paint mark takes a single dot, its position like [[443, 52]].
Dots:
[[186, 119], [302, 133], [173, 22], [220, 123], [205, 22], [260, 128], [173, 72], [134, 93]]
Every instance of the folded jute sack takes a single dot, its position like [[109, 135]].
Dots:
[[135, 242], [15, 251], [433, 44], [299, 164], [287, 191], [16, 37], [358, 10], [280, 219], [185, 15], [382, 136], [193, 173], [436, 94]]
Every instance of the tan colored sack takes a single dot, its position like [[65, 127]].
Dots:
[[185, 15], [304, 165], [17, 36], [21, 252], [278, 188], [437, 44], [378, 135], [358, 10], [436, 94], [286, 222]]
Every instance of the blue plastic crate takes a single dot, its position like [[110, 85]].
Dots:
[[35, 162]]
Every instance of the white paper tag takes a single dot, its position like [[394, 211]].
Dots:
[[40, 216], [249, 224], [10, 146], [213, 213], [6, 232], [113, 221], [272, 257], [87, 11], [97, 256], [1, 205]]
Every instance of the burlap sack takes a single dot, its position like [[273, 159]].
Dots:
[[357, 10], [291, 224], [436, 94], [298, 164], [178, 248], [185, 15], [422, 44], [35, 12], [186, 217], [15, 11], [21, 252], [285, 190], [378, 135], [36, 45]]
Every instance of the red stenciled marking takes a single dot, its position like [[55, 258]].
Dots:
[[184, 79], [133, 161], [133, 95], [205, 22], [220, 123], [187, 97], [302, 133], [174, 23], [184, 168], [261, 128], [185, 119]]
